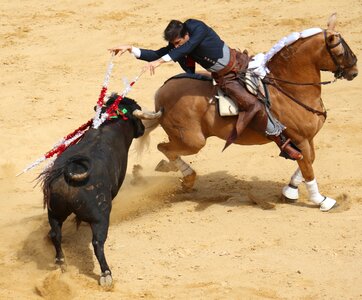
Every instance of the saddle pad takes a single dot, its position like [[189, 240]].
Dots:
[[227, 107]]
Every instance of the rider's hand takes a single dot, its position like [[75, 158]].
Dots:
[[120, 49], [153, 65]]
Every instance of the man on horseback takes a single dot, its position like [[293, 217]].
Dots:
[[194, 41]]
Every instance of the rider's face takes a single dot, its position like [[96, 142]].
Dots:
[[180, 41]]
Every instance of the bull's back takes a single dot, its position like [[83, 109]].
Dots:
[[107, 163]]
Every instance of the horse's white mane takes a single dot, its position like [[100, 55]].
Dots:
[[258, 64]]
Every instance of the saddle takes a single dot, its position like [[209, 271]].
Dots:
[[227, 107]]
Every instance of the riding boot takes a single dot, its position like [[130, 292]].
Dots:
[[242, 121], [287, 148], [255, 117]]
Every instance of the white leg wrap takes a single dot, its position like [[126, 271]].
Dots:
[[325, 203], [183, 167], [291, 191], [297, 178]]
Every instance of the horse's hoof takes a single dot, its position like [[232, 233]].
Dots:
[[188, 182], [106, 279], [327, 204], [290, 194], [165, 166], [287, 200]]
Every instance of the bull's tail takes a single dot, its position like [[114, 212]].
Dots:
[[46, 178], [75, 171], [142, 143]]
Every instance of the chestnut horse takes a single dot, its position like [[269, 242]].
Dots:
[[294, 82]]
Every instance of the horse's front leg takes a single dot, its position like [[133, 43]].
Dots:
[[305, 174], [291, 191]]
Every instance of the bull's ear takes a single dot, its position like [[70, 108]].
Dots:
[[332, 22], [139, 128]]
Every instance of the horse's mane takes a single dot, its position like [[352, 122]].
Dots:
[[260, 61]]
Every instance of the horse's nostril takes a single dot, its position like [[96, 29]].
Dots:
[[354, 75]]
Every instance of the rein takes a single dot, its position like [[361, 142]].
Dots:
[[269, 79], [315, 111], [272, 81], [347, 54], [337, 74]]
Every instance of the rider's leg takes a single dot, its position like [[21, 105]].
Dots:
[[274, 132], [248, 105], [251, 108]]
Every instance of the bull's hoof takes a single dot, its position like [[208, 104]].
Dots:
[[106, 279], [166, 166], [60, 263], [188, 182]]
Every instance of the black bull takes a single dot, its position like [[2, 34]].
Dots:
[[87, 176]]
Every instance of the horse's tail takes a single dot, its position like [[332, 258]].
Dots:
[[142, 143]]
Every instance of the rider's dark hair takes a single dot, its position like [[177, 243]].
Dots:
[[174, 30]]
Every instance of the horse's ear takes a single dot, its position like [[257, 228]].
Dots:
[[332, 21]]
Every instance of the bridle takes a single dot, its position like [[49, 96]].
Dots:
[[338, 73], [346, 55]]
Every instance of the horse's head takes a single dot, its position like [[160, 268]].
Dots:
[[344, 61]]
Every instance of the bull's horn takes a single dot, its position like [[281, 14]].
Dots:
[[147, 115]]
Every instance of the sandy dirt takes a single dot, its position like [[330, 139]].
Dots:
[[232, 237]]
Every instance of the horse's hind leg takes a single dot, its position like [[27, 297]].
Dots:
[[186, 145], [166, 166], [305, 174]]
